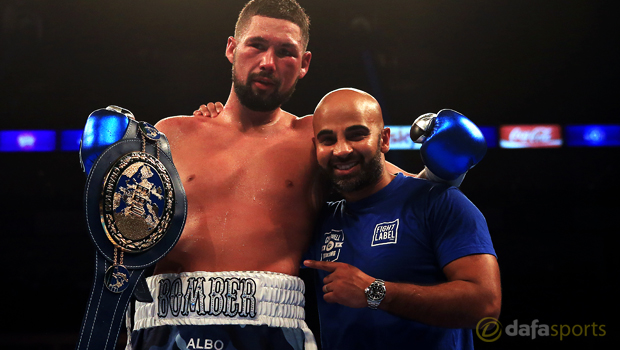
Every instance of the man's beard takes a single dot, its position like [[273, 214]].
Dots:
[[369, 173], [258, 101]]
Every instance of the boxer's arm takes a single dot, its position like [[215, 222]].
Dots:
[[471, 293], [177, 129], [393, 169], [212, 110]]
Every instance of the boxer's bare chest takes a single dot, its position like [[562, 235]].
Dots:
[[250, 200], [249, 168]]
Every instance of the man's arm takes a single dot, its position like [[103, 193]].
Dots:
[[212, 110], [393, 169], [471, 293], [424, 174]]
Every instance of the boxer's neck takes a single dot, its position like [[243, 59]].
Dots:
[[246, 118]]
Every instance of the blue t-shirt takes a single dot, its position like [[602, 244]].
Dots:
[[406, 232]]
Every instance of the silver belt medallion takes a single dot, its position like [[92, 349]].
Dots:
[[137, 202]]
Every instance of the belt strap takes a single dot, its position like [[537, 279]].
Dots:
[[105, 311], [117, 280]]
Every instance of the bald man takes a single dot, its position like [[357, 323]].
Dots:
[[402, 262]]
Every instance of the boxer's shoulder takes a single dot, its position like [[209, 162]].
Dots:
[[168, 125], [181, 131], [176, 122], [303, 124], [184, 125]]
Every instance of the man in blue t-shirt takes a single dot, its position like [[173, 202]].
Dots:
[[403, 263]]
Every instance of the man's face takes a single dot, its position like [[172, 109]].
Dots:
[[349, 146], [267, 59]]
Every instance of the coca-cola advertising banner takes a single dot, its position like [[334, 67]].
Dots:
[[530, 136]]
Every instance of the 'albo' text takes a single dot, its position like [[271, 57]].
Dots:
[[231, 297], [207, 344]]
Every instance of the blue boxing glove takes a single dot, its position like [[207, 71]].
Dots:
[[451, 145], [103, 128]]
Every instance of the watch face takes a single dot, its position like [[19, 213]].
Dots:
[[376, 291]]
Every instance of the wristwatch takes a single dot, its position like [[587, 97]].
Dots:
[[375, 293]]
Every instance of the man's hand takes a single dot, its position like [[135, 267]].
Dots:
[[344, 285], [211, 110]]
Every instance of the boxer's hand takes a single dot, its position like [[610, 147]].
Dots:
[[344, 285], [451, 145], [210, 110]]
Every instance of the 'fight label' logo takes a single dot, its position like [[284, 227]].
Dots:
[[330, 251], [385, 233]]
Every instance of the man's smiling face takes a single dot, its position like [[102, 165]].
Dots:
[[350, 140]]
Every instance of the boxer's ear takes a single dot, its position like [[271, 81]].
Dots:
[[231, 45], [305, 64]]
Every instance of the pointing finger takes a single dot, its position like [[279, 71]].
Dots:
[[321, 265]]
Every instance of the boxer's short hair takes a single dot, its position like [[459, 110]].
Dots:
[[288, 10]]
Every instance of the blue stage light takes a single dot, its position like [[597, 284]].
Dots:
[[490, 135], [70, 140], [592, 135], [27, 141]]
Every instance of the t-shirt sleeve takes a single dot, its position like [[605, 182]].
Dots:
[[457, 227]]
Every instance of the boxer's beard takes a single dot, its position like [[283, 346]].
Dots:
[[260, 101], [369, 174]]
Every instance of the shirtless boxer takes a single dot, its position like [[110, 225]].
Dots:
[[251, 183]]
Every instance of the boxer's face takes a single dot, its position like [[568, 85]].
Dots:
[[350, 144], [267, 59]]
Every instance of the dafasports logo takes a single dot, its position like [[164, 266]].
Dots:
[[490, 329]]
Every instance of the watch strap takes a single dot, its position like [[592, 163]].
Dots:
[[374, 303]]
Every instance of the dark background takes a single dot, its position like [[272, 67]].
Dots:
[[552, 212]]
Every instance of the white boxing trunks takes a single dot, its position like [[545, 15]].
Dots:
[[230, 310]]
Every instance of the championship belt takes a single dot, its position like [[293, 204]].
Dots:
[[135, 208]]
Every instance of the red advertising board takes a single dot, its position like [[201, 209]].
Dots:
[[530, 136]]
